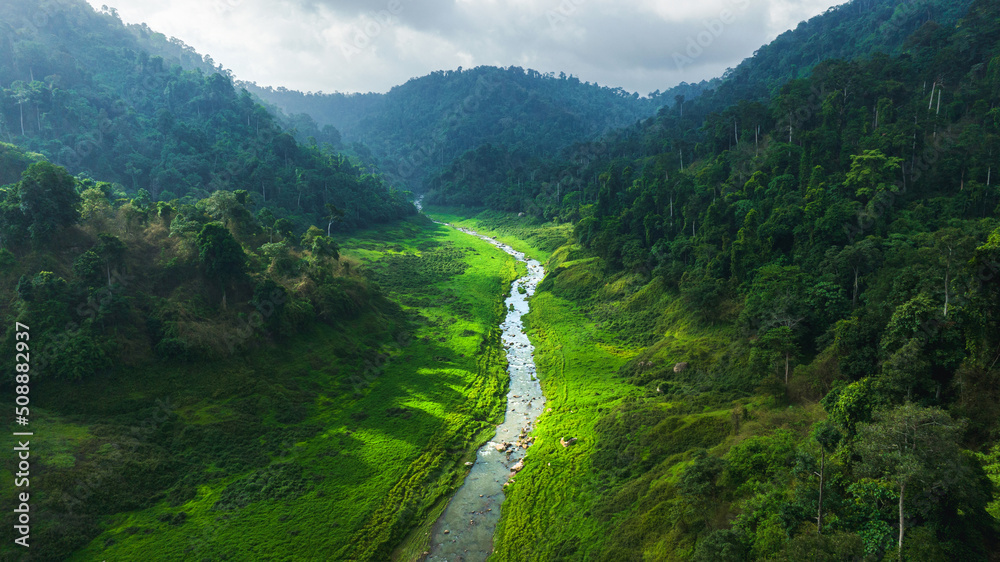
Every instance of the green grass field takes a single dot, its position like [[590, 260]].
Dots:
[[612, 495], [341, 444], [531, 236], [345, 442]]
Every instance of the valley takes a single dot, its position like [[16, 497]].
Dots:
[[481, 496], [398, 430], [495, 313]]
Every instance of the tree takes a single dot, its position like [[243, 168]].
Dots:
[[871, 179], [284, 227], [723, 545], [950, 247], [700, 479], [221, 254], [871, 173], [921, 349], [12, 221], [334, 214], [854, 404], [986, 294], [828, 436], [776, 298], [111, 250], [230, 208], [87, 267], [320, 246], [860, 258], [911, 446], [48, 199], [265, 217], [782, 340], [95, 206], [22, 94]]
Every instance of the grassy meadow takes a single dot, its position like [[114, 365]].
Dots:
[[340, 443], [345, 441], [614, 493]]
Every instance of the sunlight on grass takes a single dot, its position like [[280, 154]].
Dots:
[[384, 426]]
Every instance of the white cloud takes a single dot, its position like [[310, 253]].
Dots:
[[358, 45]]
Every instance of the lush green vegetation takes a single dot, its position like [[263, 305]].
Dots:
[[202, 368], [690, 465], [116, 113], [426, 123], [769, 329], [794, 302], [751, 108]]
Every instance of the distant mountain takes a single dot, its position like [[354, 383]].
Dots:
[[428, 122], [417, 129], [693, 127], [81, 88]]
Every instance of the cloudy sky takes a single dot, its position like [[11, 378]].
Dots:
[[372, 45]]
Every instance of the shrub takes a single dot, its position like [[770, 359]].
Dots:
[[176, 349]]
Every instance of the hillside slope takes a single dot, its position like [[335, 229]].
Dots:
[[79, 88], [421, 129], [770, 303], [199, 378], [429, 121]]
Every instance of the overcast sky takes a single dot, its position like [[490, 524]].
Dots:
[[366, 45]]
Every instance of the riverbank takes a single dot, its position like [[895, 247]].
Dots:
[[372, 430], [608, 451], [465, 530]]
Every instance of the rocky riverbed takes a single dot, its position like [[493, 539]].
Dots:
[[464, 533]]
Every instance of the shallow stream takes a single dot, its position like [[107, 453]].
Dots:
[[464, 533]]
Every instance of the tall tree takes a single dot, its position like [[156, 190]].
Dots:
[[911, 446], [221, 254], [48, 199], [828, 436]]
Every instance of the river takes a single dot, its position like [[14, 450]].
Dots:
[[464, 532]]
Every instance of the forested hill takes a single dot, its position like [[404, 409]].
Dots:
[[834, 248], [78, 87], [417, 130], [740, 108], [429, 121], [853, 30]]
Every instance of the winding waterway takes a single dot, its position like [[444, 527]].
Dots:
[[464, 533]]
